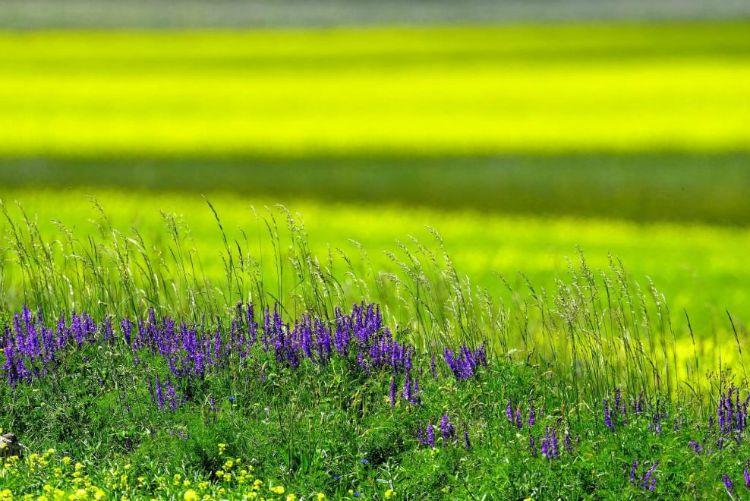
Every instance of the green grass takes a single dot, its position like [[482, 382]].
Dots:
[[410, 91], [700, 268]]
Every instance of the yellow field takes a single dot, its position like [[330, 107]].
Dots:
[[360, 91]]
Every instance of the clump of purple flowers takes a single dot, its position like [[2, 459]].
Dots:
[[550, 444], [447, 430], [426, 435], [464, 362], [30, 349], [164, 394], [648, 482], [731, 412]]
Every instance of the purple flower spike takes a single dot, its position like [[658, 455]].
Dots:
[[633, 470], [447, 430], [519, 419], [728, 484], [607, 415], [649, 481], [509, 411], [430, 435], [695, 446]]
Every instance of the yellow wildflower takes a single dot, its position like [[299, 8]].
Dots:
[[190, 495], [277, 489], [388, 494]]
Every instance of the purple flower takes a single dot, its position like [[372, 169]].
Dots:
[[746, 477], [430, 435], [633, 470], [728, 484], [649, 481], [550, 444], [532, 416], [509, 411], [519, 419], [697, 448], [447, 430], [607, 415]]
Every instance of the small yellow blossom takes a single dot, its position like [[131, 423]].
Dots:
[[277, 489], [320, 496], [190, 495], [222, 448], [388, 494]]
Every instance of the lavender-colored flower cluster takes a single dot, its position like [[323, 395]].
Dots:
[[648, 482], [31, 349], [426, 435], [464, 362], [550, 444], [731, 412], [164, 394]]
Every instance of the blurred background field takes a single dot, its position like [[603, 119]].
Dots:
[[619, 130]]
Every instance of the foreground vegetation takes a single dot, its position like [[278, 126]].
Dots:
[[259, 405]]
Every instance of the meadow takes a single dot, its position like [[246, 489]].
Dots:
[[510, 262]]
